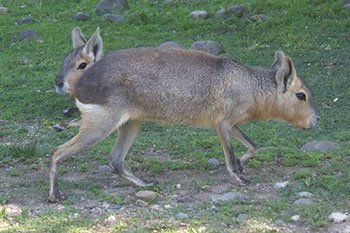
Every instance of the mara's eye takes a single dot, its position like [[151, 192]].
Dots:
[[82, 66], [301, 96]]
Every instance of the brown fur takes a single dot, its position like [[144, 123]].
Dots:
[[128, 87]]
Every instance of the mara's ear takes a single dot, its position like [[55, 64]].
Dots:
[[285, 75], [93, 48], [279, 55], [78, 38]]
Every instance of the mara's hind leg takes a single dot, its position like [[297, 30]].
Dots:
[[95, 126], [127, 134]]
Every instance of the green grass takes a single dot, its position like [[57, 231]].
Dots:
[[313, 33]]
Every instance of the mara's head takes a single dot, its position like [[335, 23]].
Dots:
[[85, 53], [294, 100]]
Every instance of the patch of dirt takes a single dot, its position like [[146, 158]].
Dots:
[[180, 188]]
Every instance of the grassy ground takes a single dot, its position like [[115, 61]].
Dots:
[[315, 34]]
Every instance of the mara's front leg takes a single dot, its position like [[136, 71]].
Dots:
[[232, 164]]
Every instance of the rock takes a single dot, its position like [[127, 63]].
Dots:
[[211, 47], [81, 16], [303, 202], [321, 146], [236, 10], [104, 169], [141, 203], [346, 6], [281, 185], [242, 217], [182, 215], [114, 18], [109, 6], [295, 218], [279, 222], [259, 18], [12, 210], [213, 162], [305, 194], [146, 195], [25, 60], [337, 217], [199, 14], [24, 21], [229, 196], [170, 44], [3, 122], [3, 10], [28, 34], [111, 221]]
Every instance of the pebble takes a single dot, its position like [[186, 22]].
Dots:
[[303, 202], [213, 162], [281, 185], [146, 195], [114, 18], [243, 217], [321, 146], [141, 203], [3, 122], [295, 218], [236, 10], [305, 194], [3, 10], [24, 21], [199, 14], [211, 47], [182, 215], [28, 34], [81, 16], [346, 6], [111, 221], [104, 169], [337, 217], [108, 6], [229, 196]]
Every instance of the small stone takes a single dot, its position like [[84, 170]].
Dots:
[[211, 47], [321, 146], [178, 186], [24, 21], [146, 195], [221, 12], [199, 14], [182, 215], [111, 221], [3, 10], [28, 34], [81, 16], [279, 222], [295, 218], [170, 44], [109, 6], [25, 60], [243, 217], [114, 18], [156, 208], [3, 122], [236, 10], [96, 211], [346, 6], [303, 202], [337, 217], [141, 203], [213, 162], [305, 194], [104, 169], [281, 185]]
